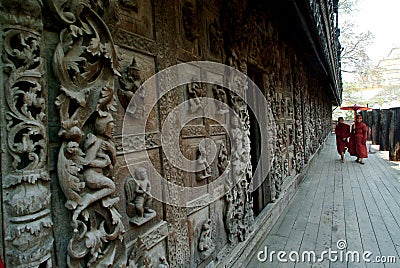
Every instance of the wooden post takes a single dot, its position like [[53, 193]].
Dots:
[[394, 135], [384, 130], [375, 126]]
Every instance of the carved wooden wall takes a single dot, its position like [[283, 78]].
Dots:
[[67, 79]]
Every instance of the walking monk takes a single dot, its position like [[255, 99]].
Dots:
[[358, 139], [342, 131]]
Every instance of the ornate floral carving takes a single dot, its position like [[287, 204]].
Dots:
[[85, 64], [28, 234], [136, 42]]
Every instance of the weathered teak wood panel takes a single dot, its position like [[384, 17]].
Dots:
[[73, 185]]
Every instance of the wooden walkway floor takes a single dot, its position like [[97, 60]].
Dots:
[[357, 205]]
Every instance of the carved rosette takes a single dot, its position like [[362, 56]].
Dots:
[[85, 63], [25, 181]]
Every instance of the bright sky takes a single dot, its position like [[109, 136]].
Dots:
[[382, 18]]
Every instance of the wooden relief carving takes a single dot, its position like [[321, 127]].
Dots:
[[130, 82], [239, 215], [216, 39], [85, 64], [138, 200], [206, 245], [28, 230], [195, 91], [220, 95], [203, 164], [189, 20]]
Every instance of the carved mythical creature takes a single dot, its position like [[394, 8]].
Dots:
[[70, 163]]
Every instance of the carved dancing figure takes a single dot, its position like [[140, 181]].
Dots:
[[130, 82], [138, 197], [203, 164], [206, 245], [220, 95], [223, 160], [194, 91], [100, 159]]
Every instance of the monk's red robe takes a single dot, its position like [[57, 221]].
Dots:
[[342, 132], [358, 139]]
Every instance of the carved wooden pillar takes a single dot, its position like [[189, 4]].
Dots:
[[85, 64], [26, 211]]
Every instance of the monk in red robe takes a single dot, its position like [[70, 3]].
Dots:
[[342, 131], [358, 139]]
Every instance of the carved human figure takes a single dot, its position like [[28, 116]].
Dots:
[[203, 164], [138, 195], [206, 245], [139, 107], [220, 95], [223, 160], [130, 82], [216, 38], [189, 21], [194, 92], [100, 160]]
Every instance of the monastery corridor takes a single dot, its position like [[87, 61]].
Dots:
[[358, 205]]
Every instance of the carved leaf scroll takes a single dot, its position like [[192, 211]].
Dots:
[[85, 64], [25, 188]]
